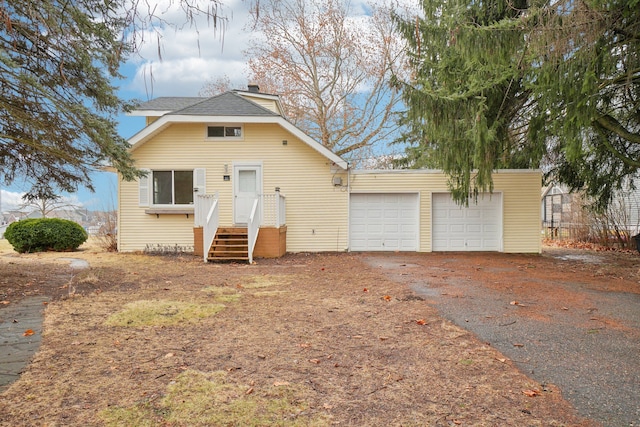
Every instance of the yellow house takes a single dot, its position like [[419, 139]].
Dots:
[[230, 177]]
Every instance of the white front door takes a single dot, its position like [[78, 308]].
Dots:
[[247, 187]]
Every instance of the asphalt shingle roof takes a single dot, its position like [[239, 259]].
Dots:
[[169, 103], [225, 104]]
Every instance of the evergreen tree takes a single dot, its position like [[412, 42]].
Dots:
[[522, 83], [585, 78], [58, 104]]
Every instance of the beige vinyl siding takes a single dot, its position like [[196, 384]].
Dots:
[[263, 102], [520, 191], [316, 215], [521, 206]]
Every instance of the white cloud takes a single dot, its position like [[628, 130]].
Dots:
[[183, 60], [10, 200], [180, 61], [186, 76]]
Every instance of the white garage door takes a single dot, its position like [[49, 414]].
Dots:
[[477, 227], [383, 222]]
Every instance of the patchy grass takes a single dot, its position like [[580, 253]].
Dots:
[[162, 313], [223, 294], [196, 398], [260, 282], [324, 346], [141, 415], [228, 298], [268, 293]]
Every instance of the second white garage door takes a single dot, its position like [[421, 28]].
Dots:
[[383, 222], [477, 227]]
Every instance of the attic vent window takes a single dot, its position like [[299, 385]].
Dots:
[[224, 132]]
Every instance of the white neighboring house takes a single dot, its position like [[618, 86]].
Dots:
[[561, 209]]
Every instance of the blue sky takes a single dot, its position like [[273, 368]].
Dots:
[[189, 60]]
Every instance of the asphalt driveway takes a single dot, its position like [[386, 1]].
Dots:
[[569, 318]]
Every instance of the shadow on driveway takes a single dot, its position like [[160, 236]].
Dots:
[[569, 318]]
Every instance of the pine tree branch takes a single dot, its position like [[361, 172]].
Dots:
[[611, 124]]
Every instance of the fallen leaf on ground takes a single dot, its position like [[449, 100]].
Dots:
[[531, 393], [316, 361], [5, 302], [421, 322], [365, 290], [28, 332], [517, 344], [386, 298], [281, 383], [249, 391]]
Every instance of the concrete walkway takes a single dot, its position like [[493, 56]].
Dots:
[[16, 347]]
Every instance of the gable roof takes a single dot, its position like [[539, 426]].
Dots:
[[228, 107], [225, 104], [164, 105]]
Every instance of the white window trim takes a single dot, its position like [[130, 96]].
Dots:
[[224, 138], [173, 188], [145, 190]]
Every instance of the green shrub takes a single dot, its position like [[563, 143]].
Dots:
[[45, 234]]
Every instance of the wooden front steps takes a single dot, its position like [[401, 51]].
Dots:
[[230, 244]]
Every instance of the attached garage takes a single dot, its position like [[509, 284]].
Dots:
[[477, 227], [419, 201], [384, 222]]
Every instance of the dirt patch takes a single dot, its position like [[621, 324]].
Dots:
[[356, 346]]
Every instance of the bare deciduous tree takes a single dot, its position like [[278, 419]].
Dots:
[[216, 86], [331, 68], [45, 205]]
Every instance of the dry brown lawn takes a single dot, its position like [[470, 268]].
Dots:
[[319, 339]]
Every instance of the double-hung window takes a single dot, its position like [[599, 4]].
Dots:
[[172, 187]]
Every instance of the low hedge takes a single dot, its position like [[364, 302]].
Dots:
[[45, 234]]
